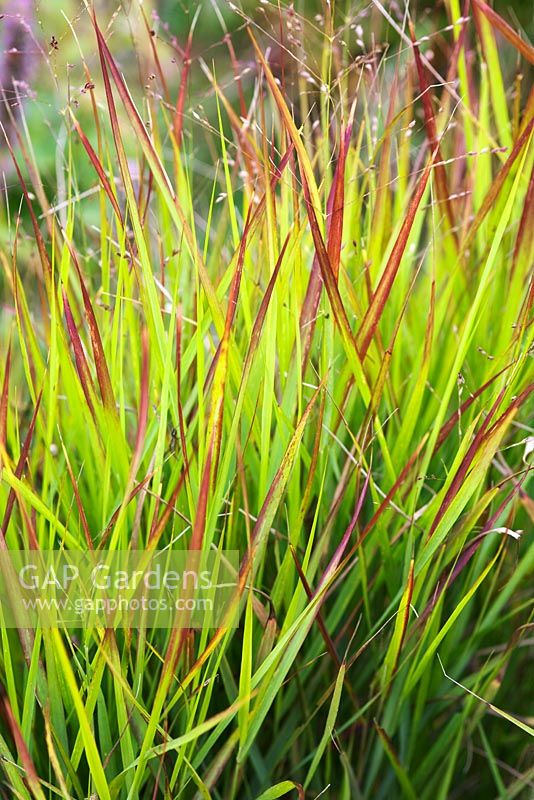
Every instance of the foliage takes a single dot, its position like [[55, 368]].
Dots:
[[289, 314]]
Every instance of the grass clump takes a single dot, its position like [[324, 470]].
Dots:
[[287, 312]]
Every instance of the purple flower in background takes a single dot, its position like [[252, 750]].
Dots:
[[17, 57]]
